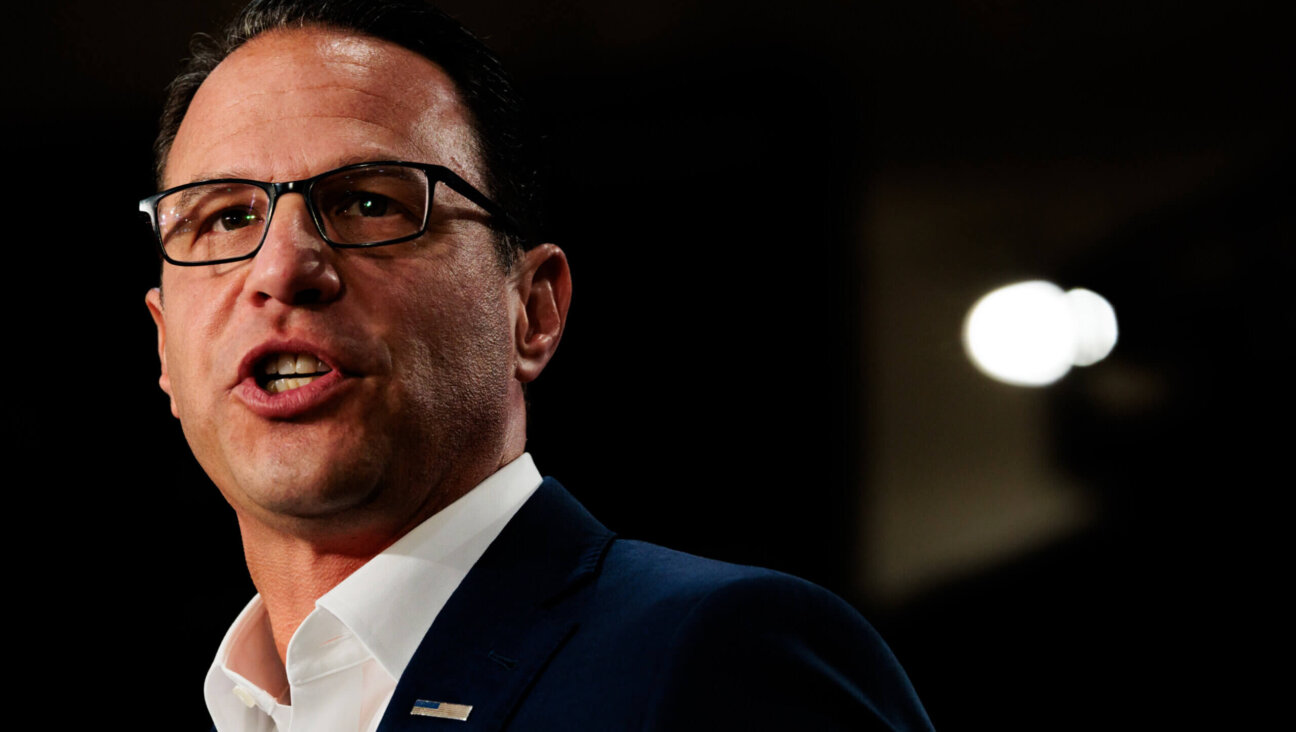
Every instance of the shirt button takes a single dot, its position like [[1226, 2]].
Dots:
[[245, 696]]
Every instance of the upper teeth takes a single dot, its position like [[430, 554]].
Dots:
[[286, 364], [292, 370]]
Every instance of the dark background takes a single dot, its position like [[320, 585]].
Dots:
[[776, 217]]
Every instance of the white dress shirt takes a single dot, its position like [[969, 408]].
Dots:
[[346, 657]]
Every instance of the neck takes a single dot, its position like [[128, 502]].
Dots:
[[291, 573], [294, 563], [291, 569]]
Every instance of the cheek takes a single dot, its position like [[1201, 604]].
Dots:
[[192, 345], [457, 354], [184, 371], [179, 366]]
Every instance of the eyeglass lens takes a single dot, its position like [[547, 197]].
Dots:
[[357, 207]]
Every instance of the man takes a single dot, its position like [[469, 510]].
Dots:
[[346, 321]]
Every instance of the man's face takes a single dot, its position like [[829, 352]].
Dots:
[[417, 337]]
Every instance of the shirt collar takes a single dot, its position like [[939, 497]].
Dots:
[[387, 605], [391, 601]]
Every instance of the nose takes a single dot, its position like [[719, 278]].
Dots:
[[294, 265]]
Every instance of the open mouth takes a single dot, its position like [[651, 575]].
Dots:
[[280, 372]]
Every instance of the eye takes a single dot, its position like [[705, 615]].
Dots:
[[233, 219], [365, 204]]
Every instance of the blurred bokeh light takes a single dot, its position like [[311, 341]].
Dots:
[[1032, 333]]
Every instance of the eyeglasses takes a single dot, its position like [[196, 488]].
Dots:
[[363, 205]]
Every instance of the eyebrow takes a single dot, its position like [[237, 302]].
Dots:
[[187, 197], [238, 174]]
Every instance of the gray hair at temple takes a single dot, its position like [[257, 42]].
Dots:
[[505, 147]]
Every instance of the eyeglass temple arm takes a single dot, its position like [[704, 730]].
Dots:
[[465, 189]]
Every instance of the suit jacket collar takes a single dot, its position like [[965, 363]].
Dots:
[[513, 611]]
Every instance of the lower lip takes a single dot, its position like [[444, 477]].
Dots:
[[291, 403]]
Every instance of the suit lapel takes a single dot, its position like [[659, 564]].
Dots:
[[517, 606]]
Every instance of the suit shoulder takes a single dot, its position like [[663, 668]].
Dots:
[[676, 571], [745, 646], [647, 574]]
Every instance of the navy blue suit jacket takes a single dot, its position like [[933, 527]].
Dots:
[[563, 626]]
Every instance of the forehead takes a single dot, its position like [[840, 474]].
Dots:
[[292, 103]]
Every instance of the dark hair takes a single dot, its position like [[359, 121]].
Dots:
[[512, 175]]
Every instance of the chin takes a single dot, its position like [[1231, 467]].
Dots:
[[310, 491]]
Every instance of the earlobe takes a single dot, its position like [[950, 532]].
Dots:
[[543, 283], [154, 301]]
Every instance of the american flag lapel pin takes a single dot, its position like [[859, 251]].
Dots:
[[444, 710]]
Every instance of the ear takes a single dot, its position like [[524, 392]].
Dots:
[[543, 284], [154, 301]]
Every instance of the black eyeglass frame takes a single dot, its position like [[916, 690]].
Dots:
[[435, 174]]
